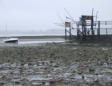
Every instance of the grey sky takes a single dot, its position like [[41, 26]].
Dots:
[[34, 15]]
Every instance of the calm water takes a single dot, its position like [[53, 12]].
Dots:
[[34, 41]]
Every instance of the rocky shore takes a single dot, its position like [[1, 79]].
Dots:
[[55, 64]]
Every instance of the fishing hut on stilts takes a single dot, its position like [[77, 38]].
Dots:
[[88, 29]]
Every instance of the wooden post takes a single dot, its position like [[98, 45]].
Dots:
[[70, 34], [98, 30], [68, 25], [92, 21], [65, 34]]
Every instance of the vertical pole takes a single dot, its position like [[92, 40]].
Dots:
[[98, 30], [92, 26], [70, 32], [106, 32], [65, 34], [78, 31], [106, 28], [92, 21]]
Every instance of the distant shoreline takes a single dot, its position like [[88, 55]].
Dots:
[[37, 37], [32, 40]]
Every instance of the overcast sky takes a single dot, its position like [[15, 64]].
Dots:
[[35, 15]]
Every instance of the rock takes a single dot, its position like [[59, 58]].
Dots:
[[47, 83]]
